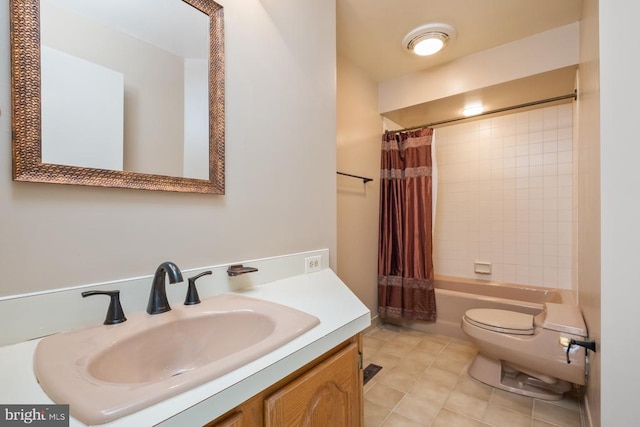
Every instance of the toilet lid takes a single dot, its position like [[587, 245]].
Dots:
[[504, 321]]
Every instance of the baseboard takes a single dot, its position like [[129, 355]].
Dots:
[[376, 322], [585, 413]]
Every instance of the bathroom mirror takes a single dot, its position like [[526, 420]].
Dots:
[[80, 107]]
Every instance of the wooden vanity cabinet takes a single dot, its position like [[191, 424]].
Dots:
[[325, 392]]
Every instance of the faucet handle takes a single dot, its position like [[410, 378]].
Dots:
[[192, 293], [115, 314]]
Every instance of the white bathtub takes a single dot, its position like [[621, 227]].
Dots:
[[455, 295]]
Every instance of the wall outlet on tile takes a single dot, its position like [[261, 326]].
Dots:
[[312, 263]]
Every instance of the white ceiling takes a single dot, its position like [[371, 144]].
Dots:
[[370, 33]]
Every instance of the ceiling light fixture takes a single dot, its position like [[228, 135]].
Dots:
[[473, 110], [428, 39]]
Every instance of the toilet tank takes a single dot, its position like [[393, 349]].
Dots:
[[565, 318]]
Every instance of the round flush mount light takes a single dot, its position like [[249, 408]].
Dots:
[[428, 39]]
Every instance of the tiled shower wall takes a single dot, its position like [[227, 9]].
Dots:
[[504, 196]]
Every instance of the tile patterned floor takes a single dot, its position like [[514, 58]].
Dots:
[[424, 382]]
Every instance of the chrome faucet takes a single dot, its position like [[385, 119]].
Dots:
[[158, 302]]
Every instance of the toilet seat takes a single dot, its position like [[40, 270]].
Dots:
[[502, 321]]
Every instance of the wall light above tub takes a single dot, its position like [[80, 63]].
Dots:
[[473, 110], [429, 39]]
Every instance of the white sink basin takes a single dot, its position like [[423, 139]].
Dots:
[[106, 372]]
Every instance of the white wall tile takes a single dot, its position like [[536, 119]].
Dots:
[[505, 195], [550, 146], [565, 132], [550, 158], [536, 170], [565, 144], [565, 157], [536, 137], [550, 276]]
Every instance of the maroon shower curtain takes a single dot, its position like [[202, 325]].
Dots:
[[405, 264]]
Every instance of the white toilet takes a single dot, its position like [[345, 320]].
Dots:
[[527, 354]]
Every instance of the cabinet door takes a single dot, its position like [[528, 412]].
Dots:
[[328, 395], [234, 420]]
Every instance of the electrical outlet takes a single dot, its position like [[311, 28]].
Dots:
[[312, 263]]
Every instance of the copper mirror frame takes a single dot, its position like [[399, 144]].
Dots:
[[26, 110]]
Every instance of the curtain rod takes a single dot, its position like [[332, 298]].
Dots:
[[573, 95], [364, 179]]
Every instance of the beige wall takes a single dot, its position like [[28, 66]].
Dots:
[[358, 142], [588, 114], [280, 169], [505, 197]]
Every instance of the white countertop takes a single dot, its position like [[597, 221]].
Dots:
[[321, 294]]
